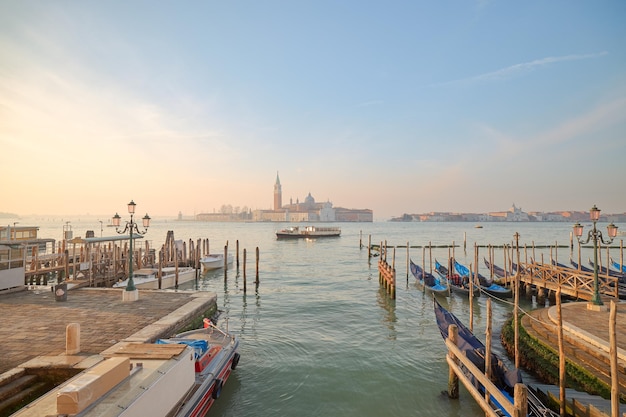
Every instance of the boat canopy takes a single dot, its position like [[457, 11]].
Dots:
[[79, 240]]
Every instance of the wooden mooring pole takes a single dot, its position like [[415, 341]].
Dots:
[[488, 346], [407, 262], [244, 270], [423, 269], [257, 266], [453, 379], [387, 277], [471, 299], [516, 308], [520, 398], [237, 253], [562, 370], [613, 357], [225, 261]]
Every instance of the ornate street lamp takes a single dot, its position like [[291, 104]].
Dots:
[[596, 235], [132, 228]]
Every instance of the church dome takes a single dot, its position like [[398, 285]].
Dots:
[[309, 200]]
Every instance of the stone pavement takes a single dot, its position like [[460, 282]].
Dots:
[[586, 335], [593, 326], [34, 324]]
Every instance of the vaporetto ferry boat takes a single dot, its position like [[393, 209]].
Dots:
[[296, 232]]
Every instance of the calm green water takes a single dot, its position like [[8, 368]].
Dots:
[[319, 336]]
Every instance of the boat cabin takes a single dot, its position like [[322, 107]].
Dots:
[[16, 243]]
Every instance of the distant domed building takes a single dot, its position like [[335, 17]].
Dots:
[[514, 214], [309, 210]]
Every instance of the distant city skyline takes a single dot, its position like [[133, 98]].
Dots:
[[403, 108], [577, 215], [513, 214]]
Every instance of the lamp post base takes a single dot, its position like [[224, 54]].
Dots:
[[596, 307], [130, 295]]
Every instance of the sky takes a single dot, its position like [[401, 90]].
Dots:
[[395, 106]]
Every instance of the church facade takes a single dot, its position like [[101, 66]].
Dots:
[[308, 210]]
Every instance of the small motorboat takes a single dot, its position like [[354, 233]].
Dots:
[[148, 278], [215, 354], [177, 377], [215, 261]]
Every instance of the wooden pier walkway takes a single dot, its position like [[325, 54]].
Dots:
[[101, 262], [574, 283]]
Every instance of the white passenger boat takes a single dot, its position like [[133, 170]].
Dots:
[[308, 232], [215, 261], [148, 278], [178, 377]]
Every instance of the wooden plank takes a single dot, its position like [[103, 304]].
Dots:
[[489, 411], [486, 382], [150, 350]]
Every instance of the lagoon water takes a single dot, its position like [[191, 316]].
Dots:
[[319, 336]]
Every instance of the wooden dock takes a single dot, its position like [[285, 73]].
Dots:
[[387, 277], [574, 283], [386, 271], [101, 262]]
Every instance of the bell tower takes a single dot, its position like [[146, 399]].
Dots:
[[278, 194]]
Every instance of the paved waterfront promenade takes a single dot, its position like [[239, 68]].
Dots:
[[586, 342], [34, 323], [587, 326]]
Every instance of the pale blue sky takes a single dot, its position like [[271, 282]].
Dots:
[[400, 107]]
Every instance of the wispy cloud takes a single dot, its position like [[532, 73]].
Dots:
[[525, 67], [602, 116]]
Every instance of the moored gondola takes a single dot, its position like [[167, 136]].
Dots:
[[487, 285], [457, 283], [503, 377], [428, 280]]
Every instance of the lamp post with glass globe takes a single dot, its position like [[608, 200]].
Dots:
[[132, 228], [595, 235]]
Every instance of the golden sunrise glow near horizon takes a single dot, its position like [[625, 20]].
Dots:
[[404, 107]]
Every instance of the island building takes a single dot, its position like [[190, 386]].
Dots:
[[514, 214], [308, 210]]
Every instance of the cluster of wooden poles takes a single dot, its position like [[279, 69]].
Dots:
[[556, 245], [101, 264], [519, 407], [458, 363], [173, 254], [387, 273], [245, 255]]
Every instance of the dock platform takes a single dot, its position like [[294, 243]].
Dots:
[[34, 322], [586, 342]]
